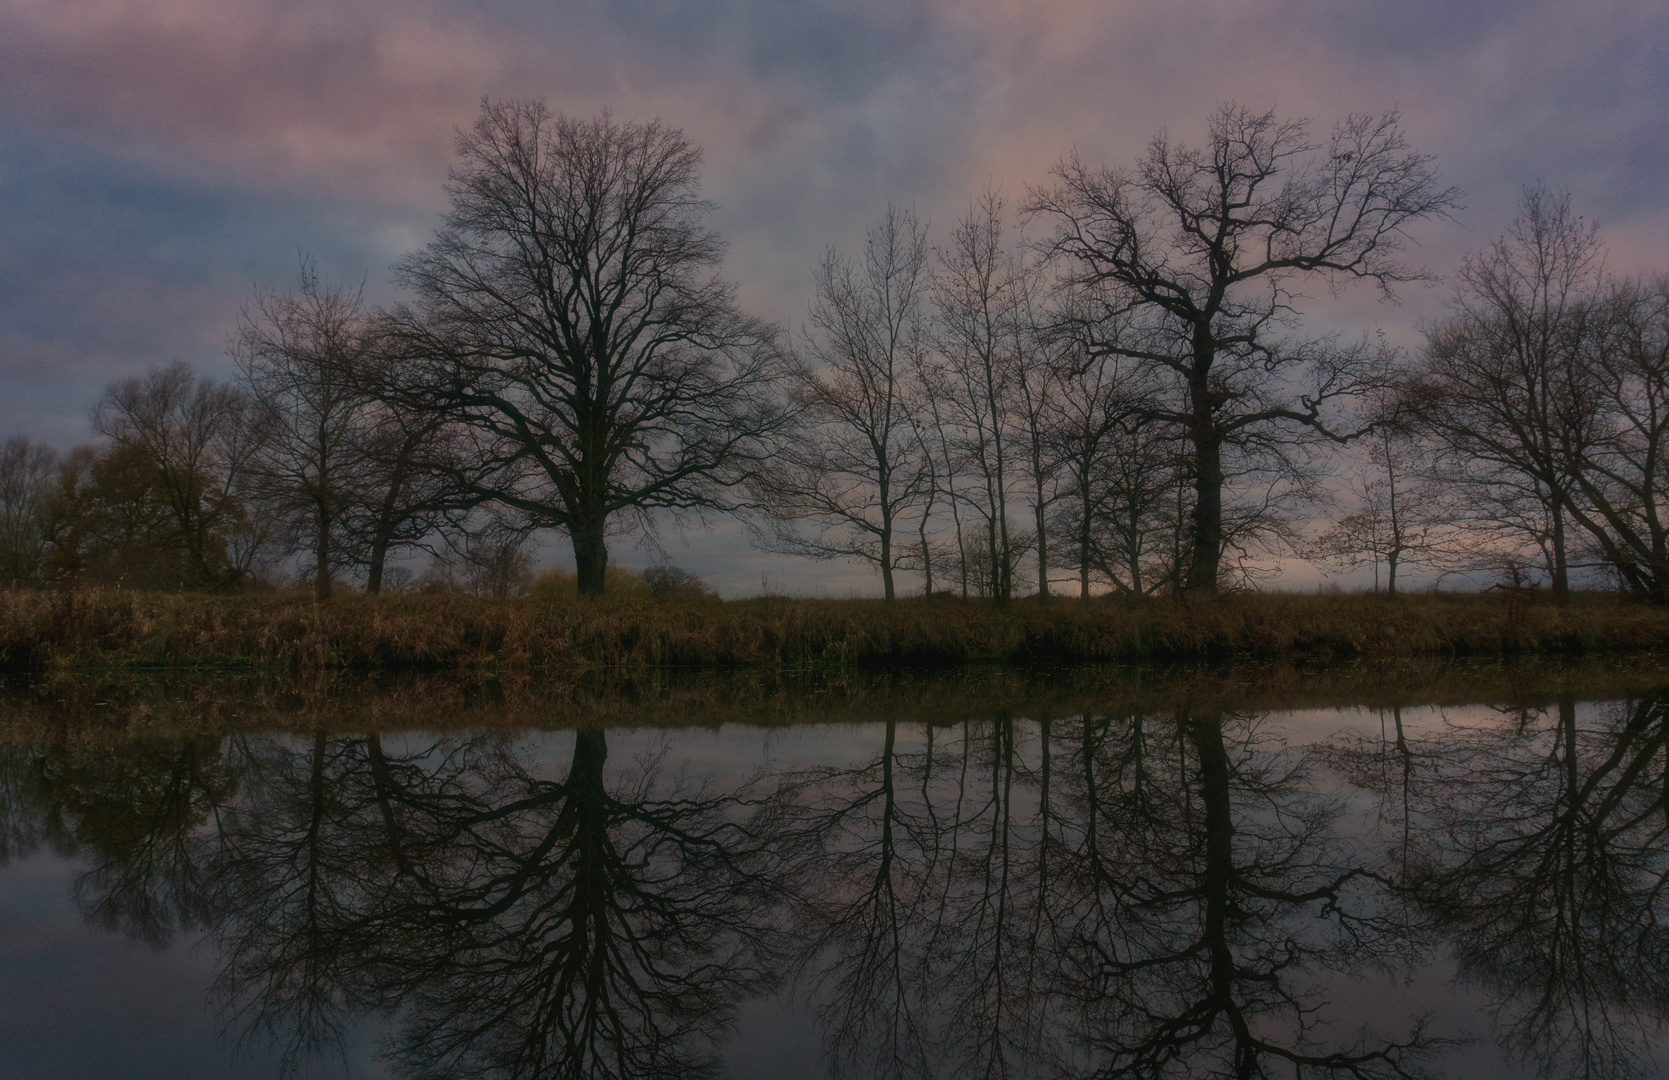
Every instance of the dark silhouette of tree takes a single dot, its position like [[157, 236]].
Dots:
[[1401, 514], [186, 444], [302, 356], [144, 819], [864, 841], [418, 463], [860, 467], [569, 310], [1114, 520], [980, 327], [1198, 252], [1618, 461], [586, 929], [1139, 896], [1503, 381], [28, 474]]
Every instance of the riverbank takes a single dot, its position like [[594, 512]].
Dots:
[[104, 629]]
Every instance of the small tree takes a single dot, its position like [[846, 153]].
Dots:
[[198, 438], [28, 472], [980, 329], [1503, 383], [302, 356], [418, 463], [860, 467], [1403, 517]]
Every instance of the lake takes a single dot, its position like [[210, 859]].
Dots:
[[1362, 872]]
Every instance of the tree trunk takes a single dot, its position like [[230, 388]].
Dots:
[[1083, 547], [886, 561], [386, 520], [1217, 872], [1042, 554], [926, 516], [1204, 568], [373, 568], [926, 552], [321, 569], [590, 558], [1205, 562], [1561, 565]]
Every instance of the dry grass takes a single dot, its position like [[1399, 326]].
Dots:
[[88, 629]]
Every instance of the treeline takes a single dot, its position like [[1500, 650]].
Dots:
[[197, 483], [1108, 383]]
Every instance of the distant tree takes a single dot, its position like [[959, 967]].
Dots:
[[571, 317], [666, 580], [1042, 366], [1620, 461], [416, 470], [110, 523], [27, 474], [980, 336], [1401, 513], [196, 440], [860, 467], [302, 356], [1200, 250], [1112, 519], [1503, 383]]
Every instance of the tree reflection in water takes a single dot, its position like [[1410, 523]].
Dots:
[[1539, 848], [1113, 894], [1214, 892]]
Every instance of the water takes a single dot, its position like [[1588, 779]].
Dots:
[[993, 875]]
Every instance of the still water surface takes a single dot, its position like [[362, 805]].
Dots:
[[1055, 891]]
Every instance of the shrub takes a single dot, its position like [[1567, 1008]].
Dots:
[[563, 584], [666, 581]]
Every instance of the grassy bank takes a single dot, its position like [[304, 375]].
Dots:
[[92, 629]]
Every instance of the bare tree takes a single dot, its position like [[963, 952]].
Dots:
[[28, 472], [416, 470], [1402, 515], [939, 459], [1502, 384], [199, 438], [1618, 457], [1041, 365], [861, 467], [980, 328], [569, 306], [1202, 249], [301, 356]]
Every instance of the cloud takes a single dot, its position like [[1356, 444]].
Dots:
[[159, 159]]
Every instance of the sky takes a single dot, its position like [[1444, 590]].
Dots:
[[163, 160]]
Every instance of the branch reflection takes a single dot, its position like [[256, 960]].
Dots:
[[1115, 893], [1539, 846]]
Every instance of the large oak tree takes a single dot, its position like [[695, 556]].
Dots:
[[570, 305], [1200, 250]]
